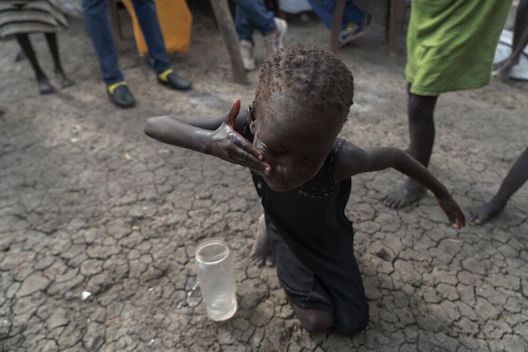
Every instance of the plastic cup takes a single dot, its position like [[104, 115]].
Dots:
[[214, 266]]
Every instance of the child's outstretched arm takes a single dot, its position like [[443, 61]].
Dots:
[[223, 142], [353, 160], [207, 122]]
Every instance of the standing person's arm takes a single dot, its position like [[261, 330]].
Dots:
[[223, 142], [353, 160]]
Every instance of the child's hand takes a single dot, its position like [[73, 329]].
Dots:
[[229, 145], [452, 210]]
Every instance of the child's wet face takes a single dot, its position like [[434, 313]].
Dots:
[[295, 140]]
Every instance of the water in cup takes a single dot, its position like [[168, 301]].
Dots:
[[216, 279]]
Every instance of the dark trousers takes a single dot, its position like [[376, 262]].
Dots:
[[98, 26]]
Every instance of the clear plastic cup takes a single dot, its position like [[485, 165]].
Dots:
[[214, 266]]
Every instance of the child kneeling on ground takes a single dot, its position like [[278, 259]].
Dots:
[[301, 171]]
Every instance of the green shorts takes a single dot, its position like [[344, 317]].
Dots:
[[451, 43]]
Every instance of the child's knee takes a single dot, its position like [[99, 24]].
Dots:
[[353, 324], [315, 320]]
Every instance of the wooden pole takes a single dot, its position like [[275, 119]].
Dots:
[[395, 25], [339, 11], [227, 29]]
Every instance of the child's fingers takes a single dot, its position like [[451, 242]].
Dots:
[[458, 219], [461, 221], [456, 223], [245, 145], [231, 117], [246, 154], [246, 159]]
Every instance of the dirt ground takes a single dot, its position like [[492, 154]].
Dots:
[[88, 203]]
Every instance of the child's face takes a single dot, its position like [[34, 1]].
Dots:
[[295, 140]]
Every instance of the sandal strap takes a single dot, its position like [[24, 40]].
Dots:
[[164, 74], [111, 88]]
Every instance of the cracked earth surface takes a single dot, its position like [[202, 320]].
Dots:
[[88, 203]]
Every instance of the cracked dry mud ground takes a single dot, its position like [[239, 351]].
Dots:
[[88, 203]]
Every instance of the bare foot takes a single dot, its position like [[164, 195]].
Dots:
[[405, 195], [63, 79], [45, 86], [261, 251], [482, 213], [502, 69]]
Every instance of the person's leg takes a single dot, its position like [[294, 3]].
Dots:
[[45, 86], [308, 298], [339, 302], [314, 320], [355, 22], [244, 30], [98, 26], [520, 40], [422, 134], [353, 14], [257, 15], [51, 38], [321, 311], [243, 25], [261, 250], [324, 9], [421, 127], [250, 15], [149, 23], [322, 308], [521, 23], [514, 180], [150, 27]]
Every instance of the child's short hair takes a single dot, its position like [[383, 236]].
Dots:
[[312, 76]]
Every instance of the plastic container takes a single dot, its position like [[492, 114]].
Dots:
[[216, 279]]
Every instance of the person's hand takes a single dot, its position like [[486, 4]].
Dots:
[[452, 210], [228, 144]]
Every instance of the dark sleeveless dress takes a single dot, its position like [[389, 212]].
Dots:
[[313, 244]]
